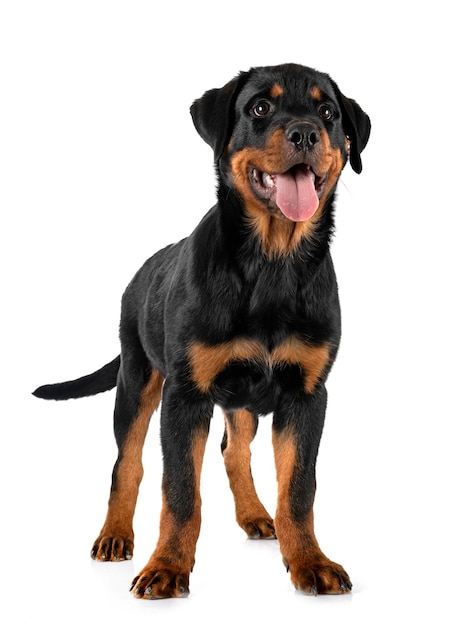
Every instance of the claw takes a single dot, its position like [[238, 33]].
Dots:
[[314, 590]]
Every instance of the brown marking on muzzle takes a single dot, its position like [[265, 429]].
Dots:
[[280, 236], [332, 163]]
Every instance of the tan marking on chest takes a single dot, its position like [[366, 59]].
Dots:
[[312, 359], [208, 361]]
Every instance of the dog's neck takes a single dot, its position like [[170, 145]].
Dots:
[[257, 234]]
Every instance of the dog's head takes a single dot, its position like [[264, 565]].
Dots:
[[281, 137]]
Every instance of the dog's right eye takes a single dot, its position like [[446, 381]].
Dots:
[[261, 108]]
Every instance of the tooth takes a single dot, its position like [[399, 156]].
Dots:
[[268, 180]]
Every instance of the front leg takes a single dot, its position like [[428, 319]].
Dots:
[[184, 431], [297, 430]]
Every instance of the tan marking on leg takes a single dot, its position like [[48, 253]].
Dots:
[[285, 461], [250, 513], [167, 572], [121, 506], [177, 542], [310, 570], [295, 540]]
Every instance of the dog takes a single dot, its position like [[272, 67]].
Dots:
[[244, 314]]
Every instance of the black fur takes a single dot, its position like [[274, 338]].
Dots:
[[103, 379], [221, 283]]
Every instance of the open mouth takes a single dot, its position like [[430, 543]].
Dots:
[[295, 192]]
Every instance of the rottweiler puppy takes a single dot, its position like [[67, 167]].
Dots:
[[244, 314]]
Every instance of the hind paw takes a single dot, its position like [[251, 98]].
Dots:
[[262, 528]]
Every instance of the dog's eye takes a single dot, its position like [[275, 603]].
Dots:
[[325, 112], [261, 108]]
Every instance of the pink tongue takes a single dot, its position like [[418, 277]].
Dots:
[[296, 196]]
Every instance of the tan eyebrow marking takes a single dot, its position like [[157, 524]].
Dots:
[[276, 90]]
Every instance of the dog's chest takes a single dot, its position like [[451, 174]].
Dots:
[[243, 372], [280, 338]]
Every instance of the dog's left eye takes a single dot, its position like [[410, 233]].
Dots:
[[325, 112], [261, 108]]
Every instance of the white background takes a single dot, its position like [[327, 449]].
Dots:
[[99, 167]]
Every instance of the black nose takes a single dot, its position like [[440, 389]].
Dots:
[[303, 135]]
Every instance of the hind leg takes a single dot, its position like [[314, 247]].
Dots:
[[137, 398], [241, 427]]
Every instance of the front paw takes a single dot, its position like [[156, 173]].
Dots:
[[112, 549], [314, 577], [162, 581]]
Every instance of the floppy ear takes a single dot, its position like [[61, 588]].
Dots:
[[356, 125], [213, 114]]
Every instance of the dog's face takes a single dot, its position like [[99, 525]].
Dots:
[[281, 137], [287, 147]]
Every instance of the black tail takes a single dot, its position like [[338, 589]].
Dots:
[[103, 379]]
